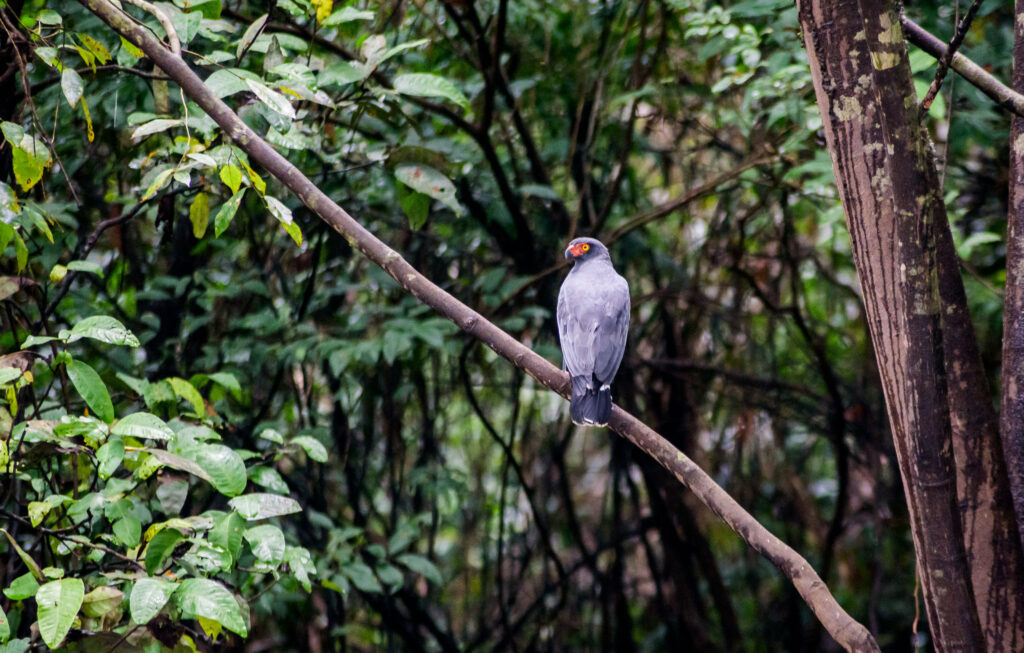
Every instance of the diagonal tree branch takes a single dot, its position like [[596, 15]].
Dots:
[[844, 629]]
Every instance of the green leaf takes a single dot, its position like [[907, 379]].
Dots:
[[188, 392], [101, 600], [224, 466], [161, 547], [86, 266], [272, 435], [362, 577], [421, 566], [199, 214], [313, 447], [300, 563], [229, 382], [272, 99], [105, 329], [427, 85], [5, 626], [26, 558], [142, 426], [261, 505], [269, 478], [71, 84], [342, 72], [22, 587], [109, 457], [89, 384], [416, 207], [226, 213], [202, 597], [9, 375], [58, 602], [149, 595], [227, 533], [158, 183], [267, 544], [128, 529], [284, 216], [429, 181], [32, 341], [251, 32], [231, 176], [347, 14], [37, 511], [154, 127], [178, 462]]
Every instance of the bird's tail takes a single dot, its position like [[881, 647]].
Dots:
[[590, 406]]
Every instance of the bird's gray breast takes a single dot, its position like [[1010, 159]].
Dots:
[[593, 318]]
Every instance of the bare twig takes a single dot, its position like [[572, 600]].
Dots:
[[947, 56], [1000, 93], [844, 629]]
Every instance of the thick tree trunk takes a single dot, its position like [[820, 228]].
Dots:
[[943, 424], [1013, 311]]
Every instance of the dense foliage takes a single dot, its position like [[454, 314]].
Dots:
[[220, 424]]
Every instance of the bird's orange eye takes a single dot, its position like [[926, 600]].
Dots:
[[585, 247]]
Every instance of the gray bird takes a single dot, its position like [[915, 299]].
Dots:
[[593, 318]]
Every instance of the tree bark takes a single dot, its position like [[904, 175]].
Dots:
[[846, 631], [943, 425], [1012, 425]]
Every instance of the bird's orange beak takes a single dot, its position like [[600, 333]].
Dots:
[[574, 250]]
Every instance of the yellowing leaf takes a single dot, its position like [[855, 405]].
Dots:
[[199, 214], [323, 9]]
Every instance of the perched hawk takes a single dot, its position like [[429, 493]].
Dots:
[[593, 318]]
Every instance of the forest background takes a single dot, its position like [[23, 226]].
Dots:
[[223, 427]]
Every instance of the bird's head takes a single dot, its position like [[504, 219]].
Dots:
[[585, 249]]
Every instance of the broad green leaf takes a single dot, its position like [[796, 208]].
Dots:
[[300, 563], [89, 384], [272, 435], [313, 447], [49, 17], [362, 577], [224, 466], [142, 426], [199, 214], [269, 478], [231, 176], [58, 602], [346, 14], [71, 84], [9, 375], [202, 597], [429, 181], [26, 558], [260, 505], [229, 382], [250, 35], [154, 127], [274, 100], [178, 462], [32, 341], [188, 392], [128, 529], [342, 72], [148, 597], [284, 216], [427, 85], [227, 533], [109, 457], [86, 266], [101, 600], [158, 183], [161, 547], [226, 213], [421, 565], [5, 626], [22, 587], [267, 543], [416, 207], [105, 329]]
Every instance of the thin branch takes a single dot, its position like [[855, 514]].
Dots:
[[1000, 93], [947, 56], [844, 629], [165, 22]]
